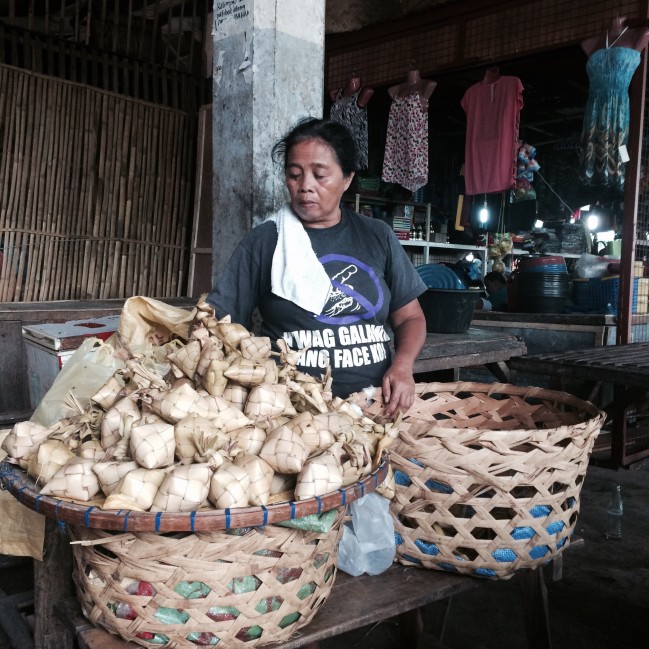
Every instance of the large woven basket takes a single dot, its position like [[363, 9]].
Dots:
[[489, 476], [232, 578], [232, 588]]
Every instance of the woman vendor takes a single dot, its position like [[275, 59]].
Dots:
[[326, 279]]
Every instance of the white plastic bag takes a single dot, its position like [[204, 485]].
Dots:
[[367, 544], [591, 266], [91, 365]]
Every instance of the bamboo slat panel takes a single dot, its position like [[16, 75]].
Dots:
[[95, 192]]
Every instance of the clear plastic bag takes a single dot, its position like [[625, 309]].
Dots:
[[367, 543]]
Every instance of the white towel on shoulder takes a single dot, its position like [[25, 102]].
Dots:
[[296, 274]]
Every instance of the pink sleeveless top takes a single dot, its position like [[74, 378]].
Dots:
[[492, 120]]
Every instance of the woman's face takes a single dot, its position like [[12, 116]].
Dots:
[[315, 182]]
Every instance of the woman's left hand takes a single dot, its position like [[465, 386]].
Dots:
[[409, 326], [398, 389]]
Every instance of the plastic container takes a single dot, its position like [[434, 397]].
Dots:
[[448, 311], [600, 295], [542, 292]]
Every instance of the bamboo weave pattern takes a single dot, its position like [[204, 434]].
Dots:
[[488, 477], [242, 588]]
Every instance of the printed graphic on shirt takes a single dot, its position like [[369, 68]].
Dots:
[[356, 295]]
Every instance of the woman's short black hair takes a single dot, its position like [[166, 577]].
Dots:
[[335, 135]]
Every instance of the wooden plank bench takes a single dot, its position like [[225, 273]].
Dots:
[[356, 602]]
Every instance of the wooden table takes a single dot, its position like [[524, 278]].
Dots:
[[479, 346], [626, 367]]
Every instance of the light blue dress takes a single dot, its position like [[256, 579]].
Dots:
[[606, 116]]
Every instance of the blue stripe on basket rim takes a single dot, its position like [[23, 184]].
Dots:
[[192, 520], [86, 516], [128, 513], [36, 505], [158, 518], [265, 510], [227, 518], [319, 501], [292, 503], [56, 509]]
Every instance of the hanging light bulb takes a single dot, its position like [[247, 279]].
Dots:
[[592, 222], [483, 215]]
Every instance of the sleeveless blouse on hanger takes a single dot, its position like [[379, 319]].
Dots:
[[346, 111], [492, 120], [606, 115], [406, 146]]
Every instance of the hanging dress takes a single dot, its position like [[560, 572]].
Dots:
[[606, 115], [346, 111], [406, 144], [492, 119]]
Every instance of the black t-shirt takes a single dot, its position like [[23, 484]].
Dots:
[[371, 277]]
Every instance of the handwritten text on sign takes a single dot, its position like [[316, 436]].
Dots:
[[232, 17]]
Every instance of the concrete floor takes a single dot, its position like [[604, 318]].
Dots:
[[602, 602]]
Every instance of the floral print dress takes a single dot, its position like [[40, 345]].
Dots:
[[406, 147]]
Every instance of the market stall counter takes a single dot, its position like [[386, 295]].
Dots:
[[543, 332], [479, 346]]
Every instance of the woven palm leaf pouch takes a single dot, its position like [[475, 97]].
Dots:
[[488, 476]]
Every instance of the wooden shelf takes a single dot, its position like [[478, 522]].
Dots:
[[430, 247]]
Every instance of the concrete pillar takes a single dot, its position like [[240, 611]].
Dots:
[[268, 62]]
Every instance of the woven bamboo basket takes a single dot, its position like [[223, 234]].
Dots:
[[234, 588], [234, 577], [488, 477]]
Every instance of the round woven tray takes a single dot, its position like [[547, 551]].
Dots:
[[234, 588], [23, 488], [488, 476]]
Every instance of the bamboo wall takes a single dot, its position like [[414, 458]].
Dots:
[[95, 192]]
